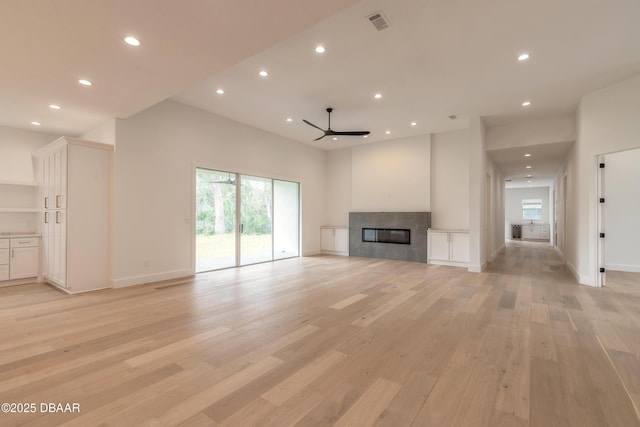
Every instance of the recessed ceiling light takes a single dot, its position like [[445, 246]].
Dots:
[[320, 49], [528, 167], [377, 96], [365, 136], [54, 106], [529, 176], [35, 123], [527, 155], [263, 73], [524, 56], [387, 132], [414, 124], [289, 119], [132, 41], [220, 91], [85, 82], [335, 138], [526, 103]]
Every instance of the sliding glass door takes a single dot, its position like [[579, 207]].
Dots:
[[256, 239], [286, 219], [242, 219], [215, 220]]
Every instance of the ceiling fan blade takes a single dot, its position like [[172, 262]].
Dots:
[[311, 124], [320, 137], [354, 133]]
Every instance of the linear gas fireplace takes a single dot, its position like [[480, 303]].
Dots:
[[371, 232], [386, 235]]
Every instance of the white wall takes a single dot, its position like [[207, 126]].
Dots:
[[16, 146], [622, 211], [104, 132], [338, 187], [478, 160], [392, 176], [495, 231], [156, 153], [532, 132], [607, 122], [513, 204], [450, 180]]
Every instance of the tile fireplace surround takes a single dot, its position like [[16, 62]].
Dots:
[[417, 222]]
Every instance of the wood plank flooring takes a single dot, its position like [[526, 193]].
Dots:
[[324, 340]]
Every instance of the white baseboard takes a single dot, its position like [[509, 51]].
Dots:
[[623, 267], [497, 252], [560, 254], [149, 278], [573, 270], [311, 253], [582, 279], [475, 268], [448, 263], [15, 282], [335, 253]]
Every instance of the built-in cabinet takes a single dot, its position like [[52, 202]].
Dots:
[[19, 258], [448, 247], [74, 178], [535, 231], [334, 240]]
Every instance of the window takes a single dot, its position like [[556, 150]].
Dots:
[[532, 209]]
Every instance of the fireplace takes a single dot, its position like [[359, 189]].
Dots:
[[385, 235], [389, 235]]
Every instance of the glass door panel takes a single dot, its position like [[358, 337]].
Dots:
[[215, 220], [256, 243], [286, 219]]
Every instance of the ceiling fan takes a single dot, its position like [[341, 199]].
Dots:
[[229, 180], [330, 132]]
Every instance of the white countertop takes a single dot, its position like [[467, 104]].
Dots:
[[17, 235]]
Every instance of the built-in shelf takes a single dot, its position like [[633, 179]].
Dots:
[[20, 210], [22, 183]]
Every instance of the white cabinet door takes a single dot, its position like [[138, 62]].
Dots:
[[439, 246], [341, 240], [60, 248], [46, 239], [530, 231], [326, 239], [4, 259], [24, 263], [459, 247], [60, 179]]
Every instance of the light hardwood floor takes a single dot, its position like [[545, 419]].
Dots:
[[332, 341]]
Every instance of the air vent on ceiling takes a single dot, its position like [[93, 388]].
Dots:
[[452, 117], [508, 180], [379, 21]]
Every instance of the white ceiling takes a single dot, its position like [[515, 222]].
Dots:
[[544, 159], [439, 57]]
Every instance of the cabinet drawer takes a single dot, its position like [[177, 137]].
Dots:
[[4, 243], [25, 242], [4, 256], [4, 272]]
